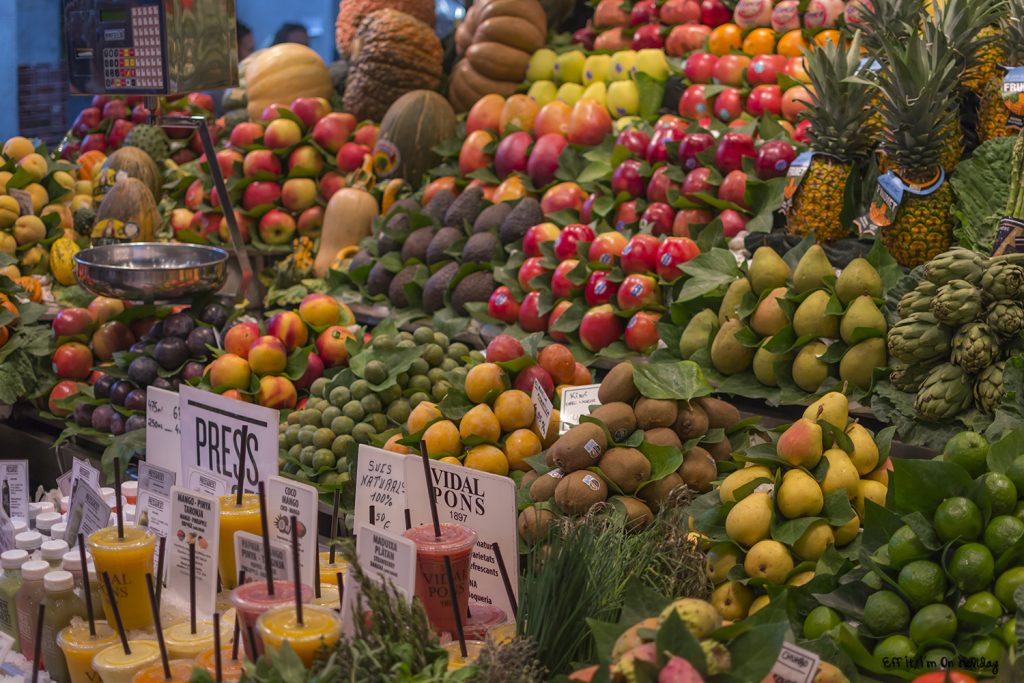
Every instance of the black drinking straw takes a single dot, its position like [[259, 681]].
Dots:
[[160, 566], [216, 648], [241, 465], [265, 528], [117, 497], [340, 578], [430, 489], [373, 515], [117, 613], [408, 519], [252, 642], [316, 579], [237, 636], [85, 585], [192, 586], [38, 651], [334, 521], [296, 570], [505, 579], [155, 606]]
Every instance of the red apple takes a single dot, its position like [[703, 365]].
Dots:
[[531, 268], [259, 193], [334, 130], [697, 181], [504, 347], [676, 12], [282, 133], [638, 291], [600, 327], [647, 36], [599, 289], [587, 211], [687, 38], [504, 307], [276, 227], [585, 36], [627, 215], [513, 153], [672, 253], [658, 218], [195, 195], [305, 161], [87, 120], [544, 158], [530, 318], [627, 178], [181, 220], [764, 99], [773, 159], [730, 69], [542, 232], [643, 12], [310, 110], [93, 141], [734, 188], [765, 69], [800, 133], [700, 67], [686, 218], [565, 243], [796, 70], [733, 222], [261, 163], [471, 156], [694, 103], [657, 150], [331, 182], [731, 150], [366, 135], [635, 140], [351, 156], [205, 223], [729, 104], [659, 185], [311, 222], [118, 132], [714, 13], [73, 323], [556, 312], [590, 123], [245, 225], [641, 333], [640, 254], [525, 379], [563, 196], [246, 134], [561, 286], [690, 146]]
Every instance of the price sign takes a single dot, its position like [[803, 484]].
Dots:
[[795, 665], [163, 431], [14, 488], [153, 509], [287, 498], [195, 522], [576, 402], [87, 512], [542, 407], [380, 483], [384, 557], [249, 558], [82, 471]]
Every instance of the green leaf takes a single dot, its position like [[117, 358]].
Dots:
[[981, 190], [920, 485], [790, 531], [712, 271], [1002, 453], [605, 634], [680, 381], [652, 93], [664, 460], [674, 638], [837, 509]]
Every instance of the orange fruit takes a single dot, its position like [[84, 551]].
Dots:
[[760, 41], [395, 447], [724, 39], [423, 414], [480, 421], [791, 44], [514, 410], [826, 36], [442, 438], [484, 382], [450, 459], [519, 445], [487, 458]]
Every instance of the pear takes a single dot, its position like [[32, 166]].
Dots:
[[728, 355], [570, 93], [811, 269], [620, 67], [596, 91], [769, 318], [858, 363], [732, 600], [841, 475], [764, 364], [750, 520], [833, 408], [810, 319], [760, 602], [739, 479], [808, 370], [594, 68], [542, 92], [697, 333], [865, 450], [623, 99], [733, 298], [767, 270], [859, 278], [846, 533], [812, 543], [799, 495], [768, 560], [721, 558], [868, 489], [801, 444], [862, 313]]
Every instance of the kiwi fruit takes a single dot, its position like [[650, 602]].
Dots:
[[579, 491], [535, 523], [652, 413], [720, 413], [580, 447], [618, 418], [720, 450], [691, 421], [528, 479], [656, 492], [627, 468], [698, 469], [618, 386], [543, 487], [638, 515], [663, 436]]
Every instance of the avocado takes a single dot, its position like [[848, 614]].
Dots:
[[492, 217], [437, 285], [379, 280], [444, 240], [402, 206], [416, 245], [362, 258], [396, 290], [386, 244], [526, 214], [481, 248], [437, 207], [466, 207], [476, 286]]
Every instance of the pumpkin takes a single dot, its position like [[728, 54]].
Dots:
[[62, 260], [33, 290], [352, 12], [413, 125], [134, 163], [347, 219], [127, 214], [392, 53], [283, 73], [90, 163]]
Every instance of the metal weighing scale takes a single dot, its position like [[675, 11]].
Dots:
[[151, 48]]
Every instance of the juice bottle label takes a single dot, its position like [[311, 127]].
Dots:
[[7, 609]]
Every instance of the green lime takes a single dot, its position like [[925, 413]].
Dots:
[[819, 621], [1006, 584], [983, 655], [323, 437], [310, 418], [984, 603], [420, 383], [904, 547], [291, 435], [435, 375], [328, 478], [423, 335], [441, 339], [362, 433], [998, 491], [433, 354], [872, 580], [328, 415], [406, 344], [458, 351], [923, 582], [933, 622], [354, 410], [1002, 532], [390, 395], [885, 613], [384, 342], [894, 653], [958, 517], [1016, 472], [371, 404], [306, 455], [418, 398], [360, 388], [339, 396], [342, 425], [340, 445], [398, 412], [376, 372], [379, 421], [323, 458], [282, 441], [293, 417], [295, 451], [1009, 632], [319, 386], [440, 390], [402, 379], [1018, 511], [476, 356], [937, 659], [969, 450], [306, 435], [971, 567], [419, 367], [448, 365]]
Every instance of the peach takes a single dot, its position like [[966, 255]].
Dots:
[[544, 156], [530, 317], [276, 392], [519, 111], [443, 183], [606, 247], [298, 194], [103, 308], [236, 395], [319, 310], [486, 114], [240, 337], [503, 306], [289, 328], [512, 153], [61, 390], [111, 337], [331, 182], [557, 312], [538, 234], [351, 156], [509, 189], [276, 227], [261, 161], [72, 360], [331, 345], [638, 291], [311, 221], [559, 362], [589, 123], [230, 371], [582, 376], [246, 134], [268, 356], [472, 156], [553, 117], [282, 133], [305, 162], [310, 110], [333, 131]]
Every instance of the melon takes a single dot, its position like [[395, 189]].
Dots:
[[134, 163], [416, 123], [283, 73], [127, 213]]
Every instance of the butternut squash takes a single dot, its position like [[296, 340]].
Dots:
[[348, 219], [480, 85], [511, 31]]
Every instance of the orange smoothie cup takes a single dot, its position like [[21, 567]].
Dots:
[[230, 669], [181, 672], [320, 627], [79, 647], [127, 560], [244, 517]]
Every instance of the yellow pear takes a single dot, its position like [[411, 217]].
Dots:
[[812, 543], [597, 91], [760, 602], [767, 270], [801, 578], [594, 68], [847, 532], [841, 475], [799, 495], [865, 450], [834, 409], [721, 557], [732, 600], [768, 560], [739, 479], [812, 268], [869, 489], [769, 318], [809, 371], [881, 475], [750, 520], [801, 444], [732, 299]]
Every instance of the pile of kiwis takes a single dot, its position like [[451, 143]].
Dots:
[[593, 464]]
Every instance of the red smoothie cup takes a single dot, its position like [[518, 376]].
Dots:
[[251, 600], [456, 542]]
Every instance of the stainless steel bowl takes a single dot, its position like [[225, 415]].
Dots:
[[151, 271]]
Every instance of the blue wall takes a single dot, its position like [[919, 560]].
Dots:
[[8, 66], [264, 17]]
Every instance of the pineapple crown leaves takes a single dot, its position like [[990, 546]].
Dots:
[[959, 21], [1011, 24], [888, 20]]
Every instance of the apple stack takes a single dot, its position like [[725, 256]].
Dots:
[[280, 172]]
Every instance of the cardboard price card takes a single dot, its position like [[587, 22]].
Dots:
[[14, 492], [287, 498], [195, 522], [163, 430], [87, 512], [576, 402], [380, 483], [385, 557], [249, 558], [795, 665]]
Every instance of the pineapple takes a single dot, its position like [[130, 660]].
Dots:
[[989, 57], [991, 109], [840, 134]]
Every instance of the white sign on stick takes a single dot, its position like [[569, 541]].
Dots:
[[380, 482], [285, 498], [163, 432], [195, 522], [384, 557], [576, 402], [249, 558], [795, 665], [14, 484], [542, 407]]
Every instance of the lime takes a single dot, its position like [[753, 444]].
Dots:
[[1018, 511], [323, 458], [375, 372], [419, 367], [291, 434], [318, 386], [306, 455], [423, 335], [384, 342], [339, 396], [933, 622], [969, 450], [328, 415], [1016, 472], [958, 517], [406, 344], [449, 365], [904, 547], [819, 621], [1002, 532], [362, 433], [295, 451], [360, 388], [983, 655], [420, 383], [1006, 584], [922, 582], [293, 417], [458, 351], [872, 580], [371, 404], [379, 421], [390, 395], [433, 354], [441, 339], [418, 398], [322, 438], [998, 491], [354, 410], [440, 390], [399, 411], [342, 425], [971, 567], [895, 652], [402, 379], [306, 435], [885, 613], [310, 418], [1009, 632], [984, 603], [282, 441], [340, 445]]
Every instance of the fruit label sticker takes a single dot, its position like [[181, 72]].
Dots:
[[593, 448], [163, 433], [195, 528], [1013, 97], [287, 498], [794, 176], [576, 402], [384, 557], [24, 200], [386, 158], [592, 482], [380, 485], [889, 195], [1009, 233], [214, 430], [484, 502], [14, 488], [795, 665], [542, 407], [249, 558], [88, 511]]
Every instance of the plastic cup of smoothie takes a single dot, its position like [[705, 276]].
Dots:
[[79, 647], [456, 542], [329, 571], [320, 627], [244, 517], [328, 596], [251, 600], [183, 644], [181, 672], [114, 666], [127, 560], [481, 619], [502, 634], [456, 660], [230, 669]]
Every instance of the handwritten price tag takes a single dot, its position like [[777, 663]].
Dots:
[[795, 665], [542, 407]]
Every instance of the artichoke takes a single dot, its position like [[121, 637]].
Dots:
[[919, 338], [1003, 280], [956, 264], [945, 393], [974, 347], [988, 389], [917, 300], [957, 302], [1006, 318], [909, 378]]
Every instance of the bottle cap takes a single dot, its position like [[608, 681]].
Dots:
[[35, 570], [28, 540], [57, 581], [130, 490], [20, 526], [109, 495], [71, 561], [46, 520], [54, 550], [59, 530], [46, 506], [13, 559]]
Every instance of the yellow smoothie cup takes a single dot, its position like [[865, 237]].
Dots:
[[114, 666], [181, 643], [181, 672], [244, 517], [320, 627], [456, 660], [328, 596], [127, 560], [79, 647], [328, 571]]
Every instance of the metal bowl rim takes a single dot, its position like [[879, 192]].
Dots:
[[222, 257]]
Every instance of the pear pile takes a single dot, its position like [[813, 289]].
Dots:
[[775, 320], [784, 511]]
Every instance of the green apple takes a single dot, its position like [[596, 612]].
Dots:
[[597, 92], [595, 68], [569, 67], [623, 99], [543, 92], [570, 93], [652, 62], [542, 65], [621, 66]]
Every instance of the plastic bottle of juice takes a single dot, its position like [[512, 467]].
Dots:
[[52, 552], [10, 582], [62, 605], [30, 541], [72, 562], [45, 522], [28, 598]]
